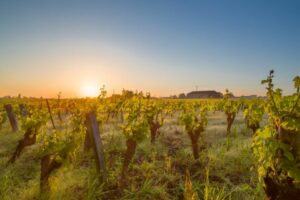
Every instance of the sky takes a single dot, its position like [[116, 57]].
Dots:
[[164, 47]]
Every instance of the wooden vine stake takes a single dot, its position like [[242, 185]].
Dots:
[[12, 117], [87, 142], [49, 110], [95, 139]]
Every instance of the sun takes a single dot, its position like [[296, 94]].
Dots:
[[89, 90]]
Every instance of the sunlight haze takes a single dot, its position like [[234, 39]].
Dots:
[[162, 47]]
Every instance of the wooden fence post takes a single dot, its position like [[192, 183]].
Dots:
[[95, 139], [12, 117]]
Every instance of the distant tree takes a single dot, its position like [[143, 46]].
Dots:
[[115, 96], [148, 95], [127, 93], [181, 96], [228, 94]]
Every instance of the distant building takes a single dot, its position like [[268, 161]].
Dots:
[[204, 94], [249, 97], [6, 97]]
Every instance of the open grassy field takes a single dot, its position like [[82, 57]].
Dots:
[[225, 169]]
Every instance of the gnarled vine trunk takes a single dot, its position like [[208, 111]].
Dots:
[[48, 165], [278, 185], [194, 136], [254, 128], [154, 131], [128, 156], [230, 120], [29, 139], [284, 190]]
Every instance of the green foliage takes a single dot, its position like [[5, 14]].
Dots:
[[35, 119], [194, 118], [154, 112], [3, 118], [135, 125], [277, 146], [253, 114], [228, 105], [64, 143]]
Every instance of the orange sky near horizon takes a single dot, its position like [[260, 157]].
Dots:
[[48, 47]]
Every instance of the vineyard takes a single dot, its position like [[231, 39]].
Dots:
[[133, 146]]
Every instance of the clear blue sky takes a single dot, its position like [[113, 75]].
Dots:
[[164, 46]]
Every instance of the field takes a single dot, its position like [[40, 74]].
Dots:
[[132, 146], [225, 169]]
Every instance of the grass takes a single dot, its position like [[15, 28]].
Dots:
[[225, 170]]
